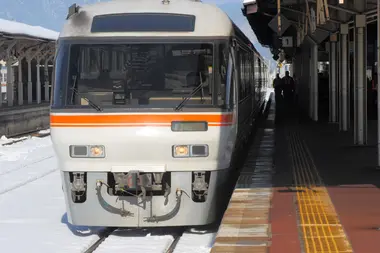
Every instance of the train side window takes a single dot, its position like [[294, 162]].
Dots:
[[248, 74], [232, 88], [223, 65], [252, 64], [230, 82], [245, 74], [242, 79], [260, 76]]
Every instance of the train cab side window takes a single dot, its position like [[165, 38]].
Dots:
[[61, 69]]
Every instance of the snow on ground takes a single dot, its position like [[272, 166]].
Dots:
[[196, 242], [33, 219], [135, 241], [25, 162], [32, 206]]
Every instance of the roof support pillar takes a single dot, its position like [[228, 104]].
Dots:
[[46, 74], [38, 84], [314, 81], [10, 79], [360, 92], [37, 55], [20, 89], [313, 91], [344, 101], [333, 79], [20, 94], [52, 73], [10, 90], [30, 84]]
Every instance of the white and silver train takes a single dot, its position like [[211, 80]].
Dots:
[[152, 100]]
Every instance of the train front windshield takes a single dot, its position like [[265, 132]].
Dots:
[[134, 75]]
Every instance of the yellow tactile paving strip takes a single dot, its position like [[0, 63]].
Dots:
[[320, 228]]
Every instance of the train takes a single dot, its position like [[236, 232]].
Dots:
[[152, 100]]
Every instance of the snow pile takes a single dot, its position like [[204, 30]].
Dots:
[[246, 2], [16, 28], [46, 131], [5, 140], [196, 242], [19, 151]]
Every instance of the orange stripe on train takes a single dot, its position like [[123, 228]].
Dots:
[[136, 120]]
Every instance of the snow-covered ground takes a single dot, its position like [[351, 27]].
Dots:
[[25, 162], [33, 216], [32, 210]]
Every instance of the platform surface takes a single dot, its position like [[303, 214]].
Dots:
[[304, 188]]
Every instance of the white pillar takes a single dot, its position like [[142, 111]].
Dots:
[[344, 76], [38, 84], [333, 79], [30, 87], [53, 75], [360, 127], [10, 89], [46, 80], [20, 83], [311, 86]]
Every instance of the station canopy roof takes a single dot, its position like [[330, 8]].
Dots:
[[14, 30], [260, 12]]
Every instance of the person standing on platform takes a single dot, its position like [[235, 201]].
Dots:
[[277, 85], [288, 83]]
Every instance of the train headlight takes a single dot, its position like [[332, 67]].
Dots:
[[87, 151], [190, 151], [97, 151], [181, 151]]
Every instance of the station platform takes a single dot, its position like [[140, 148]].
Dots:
[[23, 119], [304, 188]]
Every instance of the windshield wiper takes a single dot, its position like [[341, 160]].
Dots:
[[92, 104], [184, 101]]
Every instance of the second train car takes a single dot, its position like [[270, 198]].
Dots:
[[151, 101]]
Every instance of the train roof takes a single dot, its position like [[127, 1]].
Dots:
[[210, 20]]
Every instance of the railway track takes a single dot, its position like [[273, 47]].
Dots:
[[172, 246], [111, 239]]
